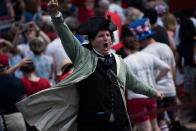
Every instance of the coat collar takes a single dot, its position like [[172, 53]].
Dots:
[[117, 62]]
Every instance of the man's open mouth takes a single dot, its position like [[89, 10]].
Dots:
[[106, 45]]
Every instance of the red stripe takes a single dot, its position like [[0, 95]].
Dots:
[[143, 28], [163, 109], [135, 30]]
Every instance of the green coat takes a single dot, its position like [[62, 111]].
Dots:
[[56, 109]]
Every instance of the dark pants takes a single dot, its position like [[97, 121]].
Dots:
[[167, 102], [109, 126]]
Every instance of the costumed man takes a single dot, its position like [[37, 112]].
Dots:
[[92, 97]]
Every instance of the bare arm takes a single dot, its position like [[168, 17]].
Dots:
[[22, 19], [15, 67], [44, 36], [174, 73], [40, 32], [16, 37], [6, 42], [171, 41], [10, 9], [162, 73]]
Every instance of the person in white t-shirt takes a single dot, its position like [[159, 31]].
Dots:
[[142, 30], [143, 65], [56, 50]]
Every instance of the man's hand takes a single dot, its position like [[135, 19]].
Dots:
[[52, 7], [33, 25], [24, 62], [160, 95]]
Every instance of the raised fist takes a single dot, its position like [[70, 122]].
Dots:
[[52, 7]]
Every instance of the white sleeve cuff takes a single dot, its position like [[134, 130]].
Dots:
[[58, 15]]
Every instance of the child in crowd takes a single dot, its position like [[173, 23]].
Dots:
[[31, 81], [66, 69]]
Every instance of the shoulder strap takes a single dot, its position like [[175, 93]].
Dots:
[[118, 81]]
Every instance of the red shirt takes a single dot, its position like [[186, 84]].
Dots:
[[62, 77], [118, 46], [124, 4], [83, 12], [52, 35], [33, 87]]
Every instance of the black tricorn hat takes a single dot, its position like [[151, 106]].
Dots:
[[95, 24]]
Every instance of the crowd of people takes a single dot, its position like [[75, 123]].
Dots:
[[89, 65]]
